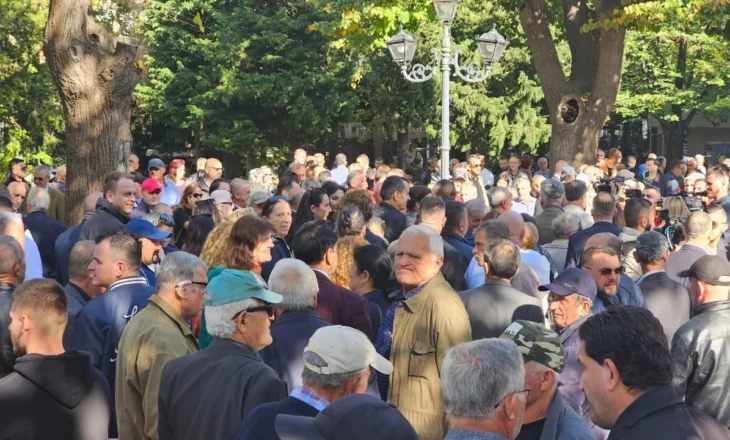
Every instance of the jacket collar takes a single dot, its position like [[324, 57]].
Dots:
[[554, 416], [716, 306], [37, 214], [113, 210], [167, 309], [232, 346], [288, 317], [7, 287], [572, 328], [126, 281], [78, 291], [453, 235], [497, 282], [416, 302], [388, 206], [656, 399]]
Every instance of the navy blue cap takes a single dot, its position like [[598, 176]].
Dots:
[[155, 163], [145, 229], [353, 417], [570, 281]]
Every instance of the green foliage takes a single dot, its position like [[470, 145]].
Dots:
[[30, 114], [248, 76]]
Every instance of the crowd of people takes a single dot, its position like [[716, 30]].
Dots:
[[369, 302]]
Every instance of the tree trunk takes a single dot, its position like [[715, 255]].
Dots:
[[580, 104], [95, 77]]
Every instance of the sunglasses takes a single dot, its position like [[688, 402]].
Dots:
[[154, 169], [268, 308], [274, 199], [606, 271], [167, 219], [197, 195]]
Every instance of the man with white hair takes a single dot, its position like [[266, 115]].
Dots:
[[44, 229], [57, 205], [483, 388], [338, 361], [476, 210], [563, 227], [547, 415], [551, 201], [426, 319], [297, 322], [156, 335], [228, 379], [542, 168], [500, 199], [18, 193], [240, 193], [340, 171], [700, 158]]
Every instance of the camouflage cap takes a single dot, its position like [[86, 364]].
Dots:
[[537, 343]]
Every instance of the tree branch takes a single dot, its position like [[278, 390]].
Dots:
[[690, 117], [536, 24]]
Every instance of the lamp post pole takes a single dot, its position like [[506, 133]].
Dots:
[[402, 47], [445, 100]]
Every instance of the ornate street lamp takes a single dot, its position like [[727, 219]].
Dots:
[[402, 47]]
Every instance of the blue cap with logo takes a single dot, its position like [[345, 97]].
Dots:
[[145, 229], [235, 285], [570, 281]]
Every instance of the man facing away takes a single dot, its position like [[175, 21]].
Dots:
[[52, 393]]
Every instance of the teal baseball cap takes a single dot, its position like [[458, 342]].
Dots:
[[235, 285]]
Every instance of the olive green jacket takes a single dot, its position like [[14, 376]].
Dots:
[[154, 336]]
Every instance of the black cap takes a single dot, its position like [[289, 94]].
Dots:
[[711, 269], [353, 417]]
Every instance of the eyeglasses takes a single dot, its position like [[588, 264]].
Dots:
[[187, 282], [217, 168], [525, 392], [167, 219], [606, 271], [274, 199], [268, 308]]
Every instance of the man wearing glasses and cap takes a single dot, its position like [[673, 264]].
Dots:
[[207, 394], [156, 170], [700, 375], [338, 361], [547, 415], [571, 302]]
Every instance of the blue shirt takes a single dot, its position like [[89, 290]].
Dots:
[[384, 339], [309, 397]]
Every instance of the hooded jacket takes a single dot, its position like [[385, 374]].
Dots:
[[60, 397], [107, 218]]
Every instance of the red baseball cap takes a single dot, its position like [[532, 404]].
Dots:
[[151, 185]]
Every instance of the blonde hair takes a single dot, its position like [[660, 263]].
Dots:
[[529, 241], [345, 248], [212, 253], [239, 213]]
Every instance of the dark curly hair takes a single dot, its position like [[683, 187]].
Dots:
[[247, 233], [634, 340]]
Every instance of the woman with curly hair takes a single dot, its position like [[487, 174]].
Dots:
[[345, 248], [212, 253]]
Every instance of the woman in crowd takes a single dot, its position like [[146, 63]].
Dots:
[[200, 226], [350, 222], [315, 205], [370, 276], [176, 175], [538, 262], [276, 210], [415, 195], [207, 207], [249, 245], [335, 192], [184, 212], [345, 247], [361, 200], [215, 245]]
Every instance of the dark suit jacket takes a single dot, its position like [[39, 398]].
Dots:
[[526, 280], [544, 223], [340, 306], [461, 245], [77, 299], [495, 305], [279, 251], [668, 300], [453, 269], [62, 250], [45, 230], [395, 221], [578, 241], [7, 357], [106, 219], [259, 423], [683, 259], [291, 332]]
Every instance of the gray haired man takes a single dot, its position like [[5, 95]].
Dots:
[[665, 298], [483, 389], [547, 416], [551, 200], [337, 362]]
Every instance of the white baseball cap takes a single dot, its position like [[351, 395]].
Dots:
[[345, 350]]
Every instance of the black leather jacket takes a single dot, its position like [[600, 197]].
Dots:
[[7, 358], [701, 373]]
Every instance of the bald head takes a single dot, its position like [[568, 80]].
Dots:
[[213, 169], [18, 192], [90, 203], [516, 225], [604, 239]]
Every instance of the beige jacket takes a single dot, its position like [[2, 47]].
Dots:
[[424, 329], [154, 336]]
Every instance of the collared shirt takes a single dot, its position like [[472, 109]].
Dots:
[[525, 208], [468, 434], [322, 272], [545, 174], [640, 280], [384, 339], [309, 397], [126, 281]]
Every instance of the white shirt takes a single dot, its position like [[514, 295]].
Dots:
[[339, 174], [487, 177], [522, 208], [538, 263], [33, 264]]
